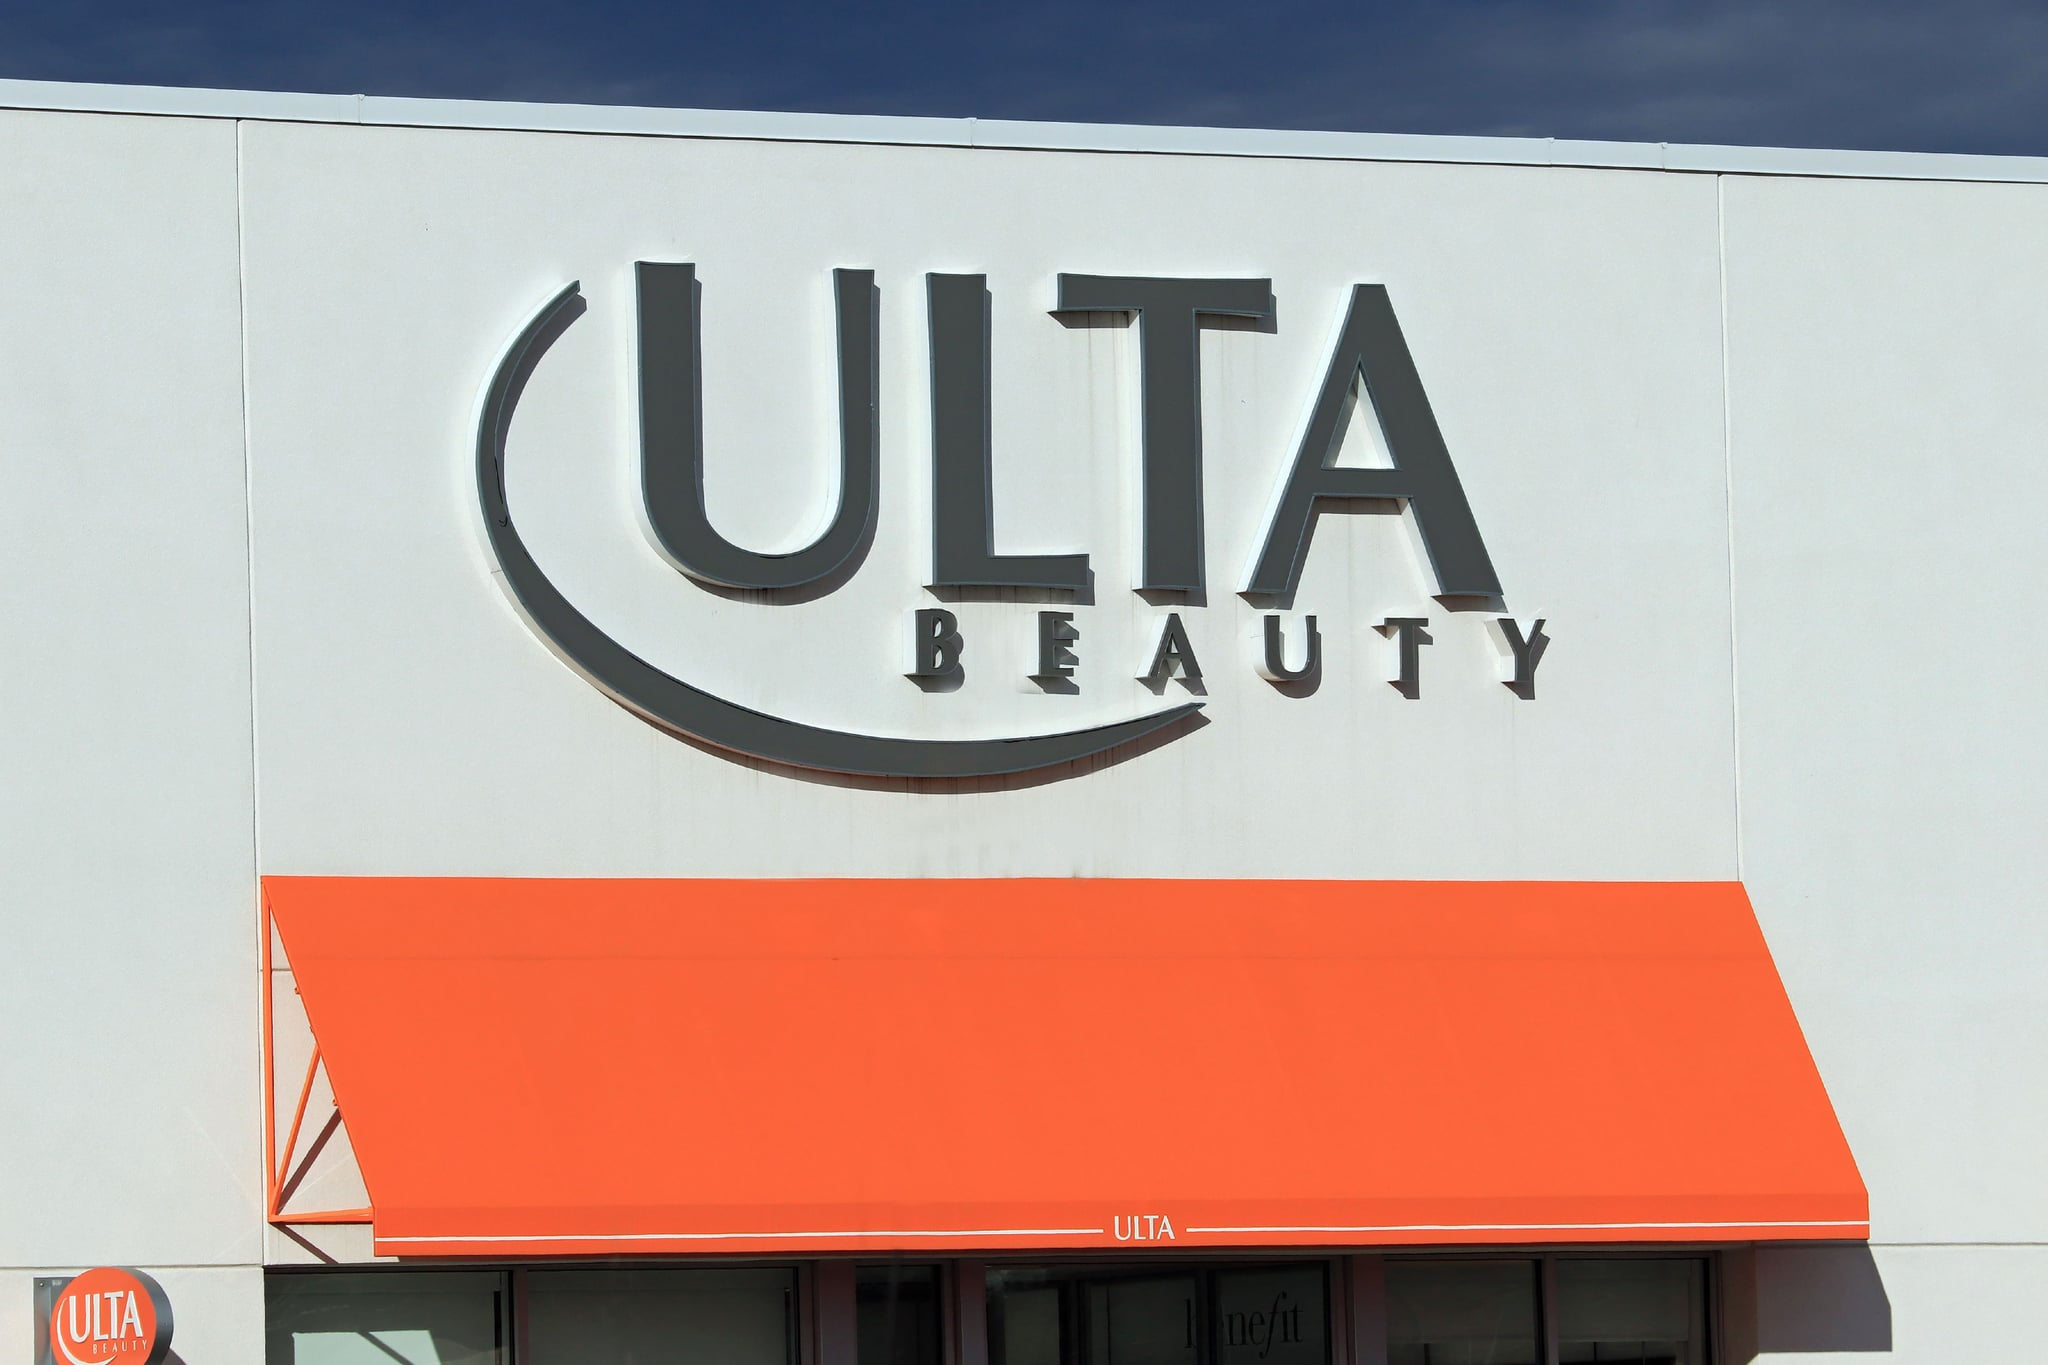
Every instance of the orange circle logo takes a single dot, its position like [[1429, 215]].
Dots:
[[110, 1317]]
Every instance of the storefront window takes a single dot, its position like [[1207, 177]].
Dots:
[[1438, 1310], [1271, 1317], [1240, 1315], [539, 1317], [897, 1314], [1027, 1316], [658, 1317], [1643, 1311], [1148, 1321], [431, 1318], [1462, 1313]]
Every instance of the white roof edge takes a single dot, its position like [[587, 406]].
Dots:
[[392, 111]]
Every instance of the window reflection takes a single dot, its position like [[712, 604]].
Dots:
[[1027, 1312], [1462, 1313], [1147, 1321], [1238, 1315], [658, 1317], [1644, 1311], [1271, 1317], [896, 1314], [435, 1318]]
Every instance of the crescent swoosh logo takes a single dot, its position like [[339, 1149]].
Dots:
[[674, 705], [68, 1353]]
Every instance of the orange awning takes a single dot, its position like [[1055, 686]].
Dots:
[[551, 1067]]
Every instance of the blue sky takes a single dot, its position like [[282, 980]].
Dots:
[[1959, 76]]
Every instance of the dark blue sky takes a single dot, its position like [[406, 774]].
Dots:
[[1960, 76]]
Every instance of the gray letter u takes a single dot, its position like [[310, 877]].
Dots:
[[672, 437]]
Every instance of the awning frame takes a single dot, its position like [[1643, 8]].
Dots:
[[280, 1175]]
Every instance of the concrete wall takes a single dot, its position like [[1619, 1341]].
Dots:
[[410, 723], [1759, 449], [127, 867], [1885, 344]]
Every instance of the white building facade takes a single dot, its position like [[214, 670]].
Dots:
[[1746, 442]]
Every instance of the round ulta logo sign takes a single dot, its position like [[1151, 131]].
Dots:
[[108, 1315]]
